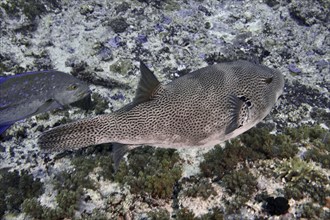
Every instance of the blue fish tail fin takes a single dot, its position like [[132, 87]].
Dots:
[[2, 79], [3, 128]]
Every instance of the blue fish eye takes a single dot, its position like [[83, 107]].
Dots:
[[72, 87]]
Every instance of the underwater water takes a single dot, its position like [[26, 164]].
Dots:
[[278, 169]]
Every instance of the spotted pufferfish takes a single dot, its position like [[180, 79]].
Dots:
[[202, 108]]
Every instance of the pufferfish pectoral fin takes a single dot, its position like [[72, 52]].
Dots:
[[235, 106], [148, 85]]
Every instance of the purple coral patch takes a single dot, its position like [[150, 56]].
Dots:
[[293, 68], [142, 38], [186, 12], [166, 20], [118, 96], [114, 42], [159, 27], [322, 64]]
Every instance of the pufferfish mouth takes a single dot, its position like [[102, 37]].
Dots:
[[279, 93]]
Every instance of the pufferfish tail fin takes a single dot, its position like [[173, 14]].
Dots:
[[78, 134]]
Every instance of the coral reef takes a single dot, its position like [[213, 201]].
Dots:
[[151, 171], [102, 42], [242, 184], [277, 206], [198, 188], [15, 187], [254, 145], [299, 175]]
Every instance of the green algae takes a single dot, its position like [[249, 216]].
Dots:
[[172, 6], [15, 187], [316, 140], [100, 104], [254, 145], [219, 161], [185, 214], [259, 144], [267, 145], [154, 172], [296, 169], [215, 214], [318, 156], [303, 179], [95, 215], [241, 184], [199, 188], [313, 211], [3, 68], [31, 9], [121, 66], [42, 116], [34, 209], [321, 116], [70, 186], [151, 171], [159, 215], [305, 132]]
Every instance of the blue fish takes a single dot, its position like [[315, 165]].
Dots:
[[31, 93]]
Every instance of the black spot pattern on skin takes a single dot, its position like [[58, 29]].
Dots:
[[186, 112]]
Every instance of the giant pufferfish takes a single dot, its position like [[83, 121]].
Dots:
[[202, 108]]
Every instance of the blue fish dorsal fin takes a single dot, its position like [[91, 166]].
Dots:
[[4, 78]]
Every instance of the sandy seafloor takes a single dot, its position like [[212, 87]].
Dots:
[[102, 41]]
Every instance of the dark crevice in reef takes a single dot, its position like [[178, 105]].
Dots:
[[297, 93], [176, 190]]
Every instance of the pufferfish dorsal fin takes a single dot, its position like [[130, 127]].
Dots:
[[235, 106], [148, 85], [147, 89]]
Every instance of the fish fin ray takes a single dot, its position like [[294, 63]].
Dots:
[[148, 88], [119, 150], [75, 135], [148, 85], [8, 106], [235, 105], [50, 104]]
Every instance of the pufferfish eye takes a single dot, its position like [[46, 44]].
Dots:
[[72, 87]]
